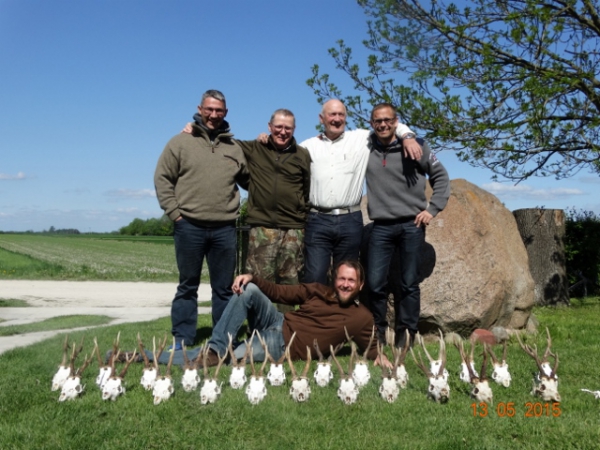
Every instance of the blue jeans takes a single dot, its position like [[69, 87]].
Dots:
[[262, 316], [405, 238], [327, 236], [193, 243]]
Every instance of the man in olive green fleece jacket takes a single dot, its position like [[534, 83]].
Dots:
[[277, 201], [196, 182]]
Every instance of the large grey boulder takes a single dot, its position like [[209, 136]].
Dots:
[[475, 266]]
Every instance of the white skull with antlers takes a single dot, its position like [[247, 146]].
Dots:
[[64, 369], [211, 388], [237, 378], [438, 390], [348, 391], [545, 384], [256, 391], [300, 389], [149, 372], [323, 374], [72, 387], [163, 385]]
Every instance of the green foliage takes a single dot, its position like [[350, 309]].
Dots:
[[31, 417], [582, 247], [150, 227], [511, 85], [55, 323]]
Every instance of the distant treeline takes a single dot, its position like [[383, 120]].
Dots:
[[51, 230], [165, 226], [149, 227]]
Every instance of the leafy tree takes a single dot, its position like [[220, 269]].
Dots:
[[511, 85]]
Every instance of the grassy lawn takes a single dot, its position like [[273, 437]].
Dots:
[[31, 417], [55, 323]]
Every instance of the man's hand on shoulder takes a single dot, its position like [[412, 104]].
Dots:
[[263, 138], [240, 282], [188, 128], [412, 149]]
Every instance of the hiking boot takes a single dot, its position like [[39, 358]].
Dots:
[[211, 360]]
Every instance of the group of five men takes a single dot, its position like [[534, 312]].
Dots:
[[303, 207]]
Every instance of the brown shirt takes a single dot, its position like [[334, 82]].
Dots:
[[320, 317]]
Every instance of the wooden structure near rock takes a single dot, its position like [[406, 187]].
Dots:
[[543, 232]]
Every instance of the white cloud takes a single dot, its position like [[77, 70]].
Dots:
[[77, 191], [590, 179], [522, 191], [119, 194], [18, 176]]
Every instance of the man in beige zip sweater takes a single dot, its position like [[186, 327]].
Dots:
[[196, 180]]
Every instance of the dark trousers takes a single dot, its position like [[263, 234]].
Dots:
[[405, 238], [327, 236], [192, 244]]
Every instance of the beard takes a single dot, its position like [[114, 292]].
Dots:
[[346, 297]]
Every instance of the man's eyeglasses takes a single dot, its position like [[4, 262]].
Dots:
[[280, 128], [386, 120], [217, 111]]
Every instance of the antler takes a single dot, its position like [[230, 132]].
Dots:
[[264, 345], [143, 352], [168, 374], [380, 352], [442, 354], [531, 352], [484, 363], [127, 364], [86, 363], [188, 365], [74, 355], [420, 363], [337, 363], [370, 343], [97, 352], [402, 355], [63, 363], [289, 360], [318, 350], [463, 357], [161, 348]]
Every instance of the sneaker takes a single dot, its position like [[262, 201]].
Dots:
[[178, 347]]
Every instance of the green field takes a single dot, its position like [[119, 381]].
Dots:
[[87, 257]]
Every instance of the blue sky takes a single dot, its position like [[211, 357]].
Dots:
[[92, 90]]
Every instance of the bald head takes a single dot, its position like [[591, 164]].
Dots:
[[333, 118]]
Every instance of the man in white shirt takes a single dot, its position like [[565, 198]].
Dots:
[[339, 161]]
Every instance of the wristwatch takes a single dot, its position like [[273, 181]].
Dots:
[[409, 136]]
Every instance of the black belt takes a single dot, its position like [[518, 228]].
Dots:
[[336, 211]]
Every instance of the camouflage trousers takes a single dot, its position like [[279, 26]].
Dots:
[[275, 255]]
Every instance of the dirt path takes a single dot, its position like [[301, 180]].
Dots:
[[124, 302]]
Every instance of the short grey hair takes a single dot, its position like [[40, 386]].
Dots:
[[218, 95], [283, 112]]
